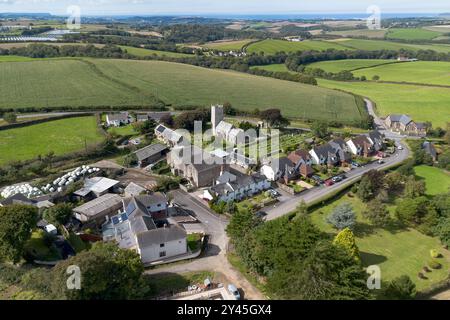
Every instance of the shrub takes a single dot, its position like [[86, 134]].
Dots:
[[433, 264], [434, 254]]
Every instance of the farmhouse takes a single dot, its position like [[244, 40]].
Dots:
[[137, 228], [156, 116], [404, 123], [168, 136], [97, 209], [150, 154], [118, 119], [199, 167], [235, 186]]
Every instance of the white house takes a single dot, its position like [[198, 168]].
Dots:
[[168, 136], [118, 119], [231, 187], [276, 169]]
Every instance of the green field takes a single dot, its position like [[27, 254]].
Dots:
[[60, 136], [274, 68], [360, 33], [422, 103], [371, 45], [141, 52], [396, 250], [272, 46], [436, 180], [427, 72], [61, 83], [234, 45], [336, 66], [412, 34], [181, 84], [15, 59]]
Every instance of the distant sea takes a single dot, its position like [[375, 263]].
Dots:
[[318, 16]]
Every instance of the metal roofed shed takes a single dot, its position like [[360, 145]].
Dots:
[[98, 208], [150, 154], [97, 185]]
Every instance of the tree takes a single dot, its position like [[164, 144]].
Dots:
[[393, 181], [412, 210], [342, 217], [144, 127], [273, 118], [414, 188], [377, 213], [400, 288], [447, 134], [327, 273], [167, 120], [320, 129], [16, 223], [370, 184], [346, 240], [10, 117], [375, 78], [58, 214], [442, 230], [107, 273]]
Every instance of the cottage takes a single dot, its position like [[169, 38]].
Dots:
[[325, 155], [118, 119], [97, 209], [360, 146], [150, 154], [168, 136], [155, 204], [136, 228], [281, 168], [376, 139], [236, 186]]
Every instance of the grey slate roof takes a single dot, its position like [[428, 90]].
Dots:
[[18, 198], [402, 118], [134, 189], [161, 235], [118, 117], [150, 151]]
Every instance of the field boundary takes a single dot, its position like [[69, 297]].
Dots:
[[44, 120]]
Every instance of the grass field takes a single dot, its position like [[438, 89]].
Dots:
[[336, 66], [395, 249], [141, 52], [412, 34], [360, 33], [422, 103], [234, 45], [436, 180], [63, 82], [181, 84], [274, 68], [427, 72], [59, 136], [16, 59], [272, 46], [362, 44]]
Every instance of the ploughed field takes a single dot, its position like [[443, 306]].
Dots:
[[101, 82]]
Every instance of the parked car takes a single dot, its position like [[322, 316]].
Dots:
[[355, 164], [337, 179], [261, 214], [380, 161], [400, 147], [234, 291], [317, 179], [329, 183]]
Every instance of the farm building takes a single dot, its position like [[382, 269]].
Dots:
[[156, 116], [97, 209], [96, 187], [151, 154], [133, 189]]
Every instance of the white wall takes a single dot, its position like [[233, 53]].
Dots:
[[268, 172], [172, 248]]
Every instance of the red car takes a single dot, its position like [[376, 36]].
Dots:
[[329, 183]]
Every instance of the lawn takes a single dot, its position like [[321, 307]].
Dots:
[[234, 45], [412, 34], [141, 52], [63, 83], [181, 84], [123, 131], [437, 180], [420, 102], [171, 283], [395, 249], [272, 46], [59, 136], [427, 72], [336, 66]]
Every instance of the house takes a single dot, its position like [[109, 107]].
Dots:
[[199, 167], [96, 187], [97, 209], [156, 116], [376, 139], [155, 204], [281, 168], [360, 146], [168, 136], [135, 228], [42, 202], [299, 157], [404, 123], [236, 186], [150, 154], [429, 149], [241, 160], [134, 189], [306, 170], [118, 119], [325, 155]]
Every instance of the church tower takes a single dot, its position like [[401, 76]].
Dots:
[[216, 116]]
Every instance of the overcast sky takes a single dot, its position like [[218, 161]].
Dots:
[[149, 7]]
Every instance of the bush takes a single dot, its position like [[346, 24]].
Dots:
[[434, 254], [433, 264]]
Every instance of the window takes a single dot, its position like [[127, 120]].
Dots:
[[162, 254], [162, 245]]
